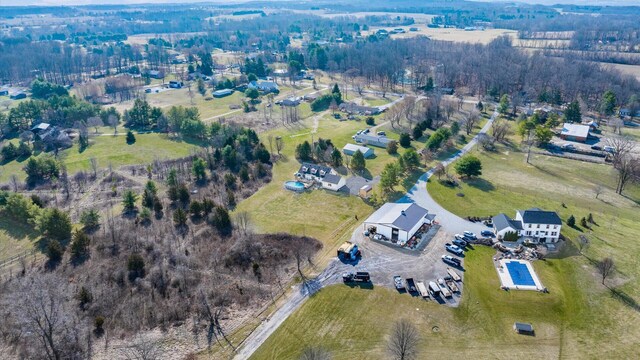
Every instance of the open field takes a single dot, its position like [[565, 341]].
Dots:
[[111, 150], [448, 34], [142, 39], [633, 70], [577, 319], [418, 17]]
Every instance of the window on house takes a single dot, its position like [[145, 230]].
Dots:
[[555, 226], [547, 226]]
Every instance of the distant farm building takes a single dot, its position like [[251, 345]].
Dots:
[[222, 93], [351, 149], [379, 141]]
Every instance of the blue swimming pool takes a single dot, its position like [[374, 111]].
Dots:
[[520, 274], [294, 186]]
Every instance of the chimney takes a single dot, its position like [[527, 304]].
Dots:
[[403, 213]]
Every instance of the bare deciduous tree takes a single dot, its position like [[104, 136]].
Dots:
[[44, 319], [143, 348], [598, 190], [605, 268], [583, 243], [279, 144], [440, 170], [95, 122], [471, 120], [242, 221], [500, 129], [404, 340]]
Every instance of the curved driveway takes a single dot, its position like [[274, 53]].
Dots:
[[418, 193]]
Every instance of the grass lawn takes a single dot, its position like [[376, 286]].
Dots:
[[15, 238], [111, 150], [355, 323], [579, 318]]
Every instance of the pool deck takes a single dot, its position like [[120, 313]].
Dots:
[[507, 282]]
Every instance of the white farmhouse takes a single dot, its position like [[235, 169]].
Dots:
[[534, 223]]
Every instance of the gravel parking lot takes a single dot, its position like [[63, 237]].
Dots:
[[385, 261]]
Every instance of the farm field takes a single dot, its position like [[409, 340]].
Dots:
[[577, 319], [449, 34]]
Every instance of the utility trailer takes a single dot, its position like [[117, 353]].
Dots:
[[422, 289], [434, 289], [454, 275], [443, 287], [348, 251]]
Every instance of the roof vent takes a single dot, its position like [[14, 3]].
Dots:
[[403, 213]]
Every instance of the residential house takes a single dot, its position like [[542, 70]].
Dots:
[[398, 222], [264, 86], [543, 226], [628, 112], [333, 182], [372, 140], [155, 74], [18, 96], [351, 149], [574, 132], [55, 138], [313, 172], [353, 108], [292, 101], [41, 127], [593, 126]]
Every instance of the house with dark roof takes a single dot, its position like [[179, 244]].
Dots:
[[333, 182], [313, 172], [543, 226], [398, 222], [323, 175], [264, 86]]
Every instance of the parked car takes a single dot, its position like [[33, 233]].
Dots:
[[568, 146], [397, 280], [337, 116], [469, 235], [459, 237], [366, 131], [451, 260], [454, 249], [487, 233], [382, 133], [609, 149], [596, 147], [460, 243]]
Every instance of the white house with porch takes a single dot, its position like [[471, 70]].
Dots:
[[543, 226]]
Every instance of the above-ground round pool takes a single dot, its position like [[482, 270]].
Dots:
[[294, 186]]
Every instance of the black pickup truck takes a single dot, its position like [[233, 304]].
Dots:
[[360, 276], [411, 285]]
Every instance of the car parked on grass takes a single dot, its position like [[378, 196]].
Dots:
[[469, 235], [454, 249], [460, 243], [397, 280], [451, 260], [487, 233]]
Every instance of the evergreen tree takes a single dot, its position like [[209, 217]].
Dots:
[[358, 162], [469, 166]]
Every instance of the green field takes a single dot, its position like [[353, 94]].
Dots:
[[15, 238], [111, 150], [579, 318]]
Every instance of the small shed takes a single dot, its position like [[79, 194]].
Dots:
[[365, 191], [523, 328], [351, 149]]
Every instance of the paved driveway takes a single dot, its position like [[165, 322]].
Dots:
[[418, 193]]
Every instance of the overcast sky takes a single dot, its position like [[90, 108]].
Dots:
[[87, 2]]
